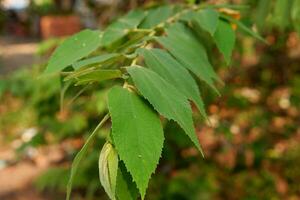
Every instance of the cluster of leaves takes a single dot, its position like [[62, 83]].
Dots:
[[156, 82], [253, 139]]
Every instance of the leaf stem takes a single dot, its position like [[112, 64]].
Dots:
[[62, 95], [140, 30], [77, 95], [81, 154]]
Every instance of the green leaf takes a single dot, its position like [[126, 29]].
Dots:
[[171, 70], [187, 16], [81, 154], [230, 6], [248, 30], [95, 60], [98, 76], [185, 47], [207, 19], [108, 169], [225, 39], [244, 28], [165, 98], [3, 87], [263, 10], [134, 40], [296, 15], [156, 16], [282, 13], [47, 45], [73, 49], [137, 134], [126, 188], [191, 1], [119, 29]]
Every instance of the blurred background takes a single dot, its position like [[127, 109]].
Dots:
[[252, 146]]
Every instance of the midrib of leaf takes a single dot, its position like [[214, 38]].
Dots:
[[204, 61], [137, 128], [64, 55], [125, 21], [138, 134], [166, 97], [196, 70], [158, 60], [95, 60]]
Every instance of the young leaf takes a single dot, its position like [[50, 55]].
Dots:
[[108, 169], [73, 49], [186, 48], [98, 76], [137, 134], [165, 98], [81, 154], [156, 16], [171, 70], [95, 60], [119, 29], [126, 188], [225, 39], [207, 19]]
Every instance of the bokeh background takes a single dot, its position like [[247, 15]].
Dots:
[[252, 145]]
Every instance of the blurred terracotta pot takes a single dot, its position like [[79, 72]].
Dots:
[[58, 26]]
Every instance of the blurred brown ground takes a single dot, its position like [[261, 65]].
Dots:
[[16, 180], [16, 52]]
